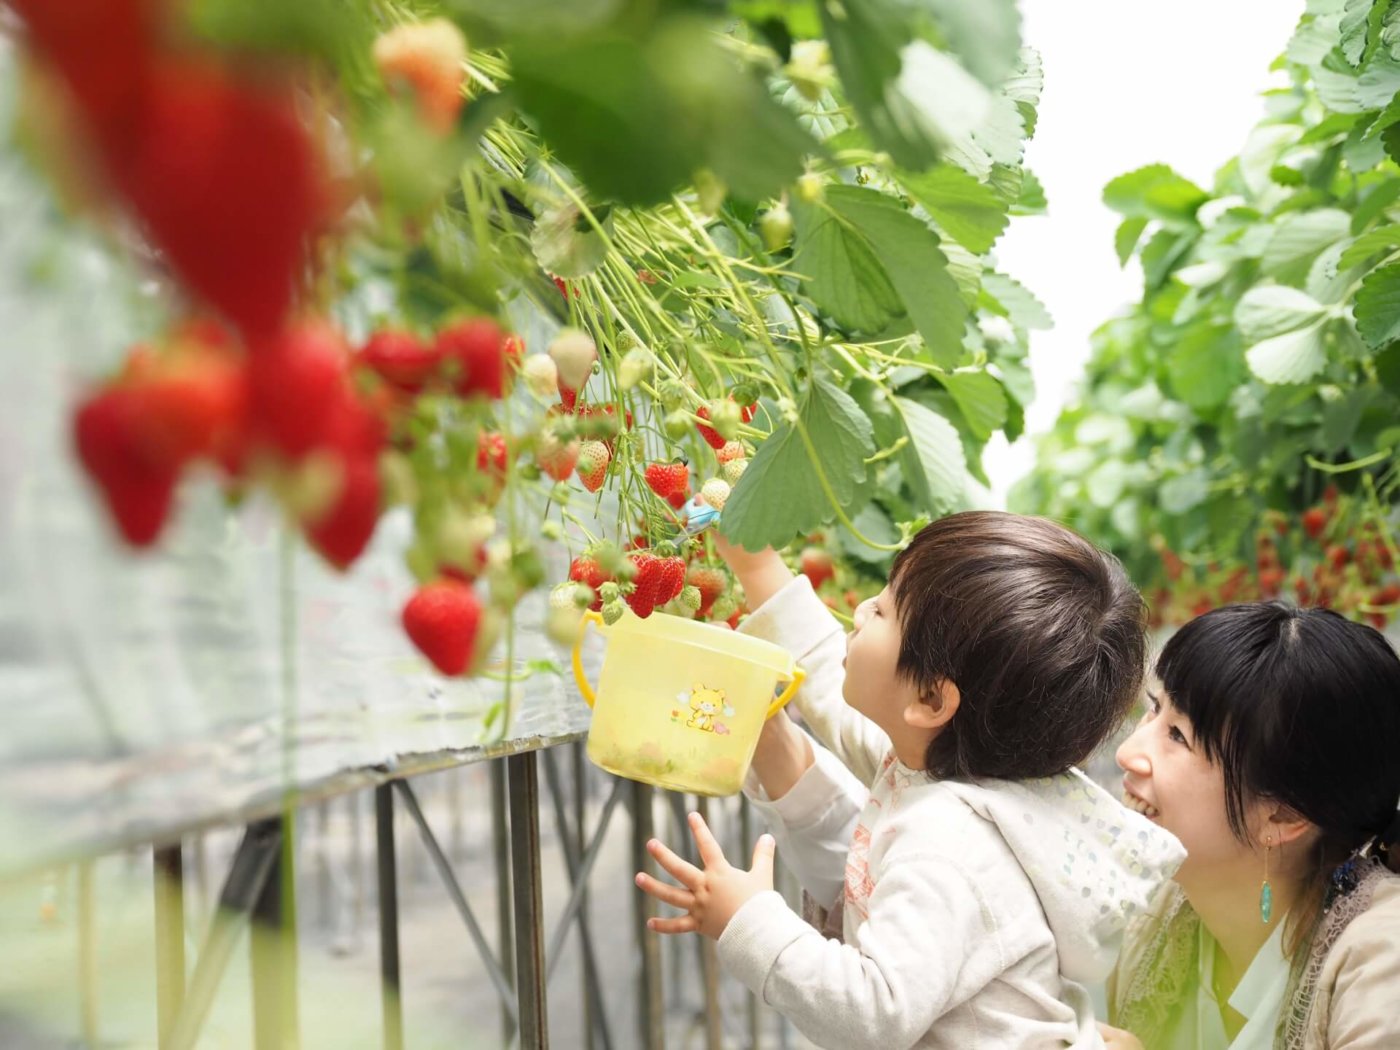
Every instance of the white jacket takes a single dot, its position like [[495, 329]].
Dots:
[[973, 913]]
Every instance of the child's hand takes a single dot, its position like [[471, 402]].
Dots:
[[710, 897], [761, 575], [1118, 1039]]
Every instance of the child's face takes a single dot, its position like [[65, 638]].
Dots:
[[872, 686], [1169, 779]]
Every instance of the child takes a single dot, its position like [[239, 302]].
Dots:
[[981, 879]]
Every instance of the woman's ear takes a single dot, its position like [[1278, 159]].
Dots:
[[1285, 825], [934, 709]]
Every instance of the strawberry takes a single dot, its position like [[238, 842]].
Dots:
[[1329, 495], [1314, 521], [482, 356], [401, 359], [138, 492], [668, 479], [298, 381], [585, 569], [1377, 620], [734, 470], [226, 182], [573, 353], [711, 584], [711, 437], [600, 422], [731, 450], [657, 581], [343, 531], [441, 619], [1270, 581], [1387, 595], [492, 454], [726, 416], [817, 566], [541, 375], [1338, 556], [556, 458], [677, 500], [568, 396], [670, 580], [430, 59], [593, 459], [715, 492]]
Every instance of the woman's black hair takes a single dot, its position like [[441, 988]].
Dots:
[[1299, 707]]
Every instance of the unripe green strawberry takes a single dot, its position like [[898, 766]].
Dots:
[[676, 424], [689, 599], [775, 227], [724, 607], [672, 393], [592, 468], [734, 470], [461, 540], [715, 492], [636, 366], [612, 611], [809, 188], [609, 592], [809, 69], [541, 376]]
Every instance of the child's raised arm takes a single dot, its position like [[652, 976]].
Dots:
[[788, 613]]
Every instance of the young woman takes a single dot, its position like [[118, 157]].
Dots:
[[1271, 749]]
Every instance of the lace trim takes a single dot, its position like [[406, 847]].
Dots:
[[1161, 974], [1349, 895]]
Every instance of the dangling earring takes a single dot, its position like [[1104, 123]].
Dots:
[[1266, 892]]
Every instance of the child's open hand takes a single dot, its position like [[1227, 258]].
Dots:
[[710, 897]]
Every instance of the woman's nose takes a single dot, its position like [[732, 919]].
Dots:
[[1132, 756]]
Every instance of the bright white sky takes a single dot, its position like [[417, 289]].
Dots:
[[1127, 83]]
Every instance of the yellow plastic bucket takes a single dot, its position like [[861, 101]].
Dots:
[[680, 703]]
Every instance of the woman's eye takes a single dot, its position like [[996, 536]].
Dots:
[[1176, 736]]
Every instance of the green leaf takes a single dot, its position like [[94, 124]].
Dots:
[[780, 496], [934, 462], [1031, 198], [637, 117], [1179, 494], [1377, 307], [1353, 28], [1293, 357], [1299, 238], [1388, 368], [970, 212], [864, 256], [1155, 192], [981, 399], [1206, 365], [1385, 239], [1012, 300], [986, 36], [1271, 310], [1126, 238]]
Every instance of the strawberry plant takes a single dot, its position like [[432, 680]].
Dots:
[[535, 287], [1260, 372]]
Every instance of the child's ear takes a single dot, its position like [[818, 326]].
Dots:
[[934, 709]]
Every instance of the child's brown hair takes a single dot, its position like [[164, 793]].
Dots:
[[1041, 632]]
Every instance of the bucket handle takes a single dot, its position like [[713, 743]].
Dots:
[[584, 686], [590, 697]]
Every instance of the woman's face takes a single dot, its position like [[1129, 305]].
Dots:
[[1169, 779]]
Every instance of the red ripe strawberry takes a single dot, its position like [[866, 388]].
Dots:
[[492, 454], [344, 530], [556, 458], [584, 569], [298, 385], [192, 404], [102, 48], [568, 396], [817, 566], [592, 467], [226, 183], [441, 619], [710, 582], [483, 356], [1329, 495], [711, 436], [678, 499], [1338, 556], [401, 359], [642, 599], [1377, 620], [430, 58], [668, 479], [1387, 595], [138, 492], [670, 578], [1314, 521], [1270, 581]]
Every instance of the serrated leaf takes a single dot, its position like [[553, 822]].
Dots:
[[986, 36], [970, 212], [1205, 366], [1385, 239], [1294, 357], [1031, 198], [1353, 28], [1154, 192], [1377, 308], [1272, 310], [980, 398], [934, 461], [1011, 299], [860, 235], [1299, 238], [1126, 237], [780, 495]]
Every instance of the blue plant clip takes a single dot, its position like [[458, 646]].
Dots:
[[697, 516]]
